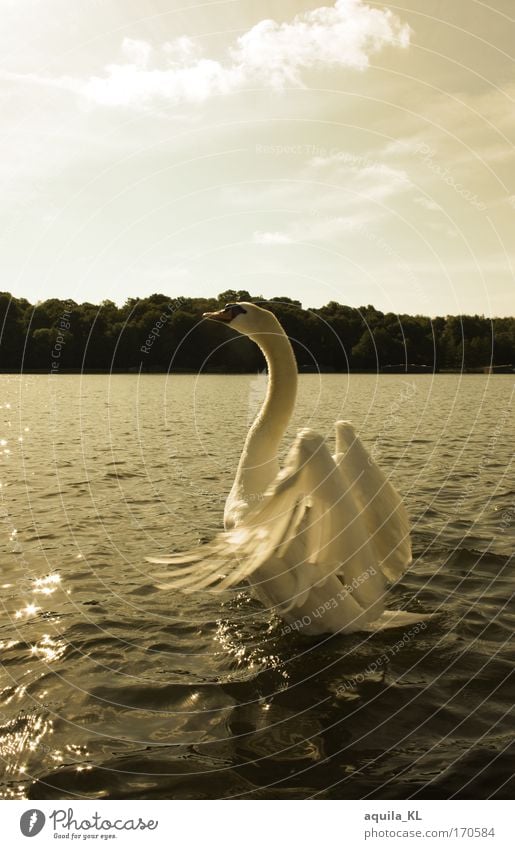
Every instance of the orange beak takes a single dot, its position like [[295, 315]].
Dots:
[[222, 315]]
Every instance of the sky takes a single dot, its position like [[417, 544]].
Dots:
[[355, 152]]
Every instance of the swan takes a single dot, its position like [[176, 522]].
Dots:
[[317, 540]]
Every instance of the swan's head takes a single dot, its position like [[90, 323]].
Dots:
[[246, 318]]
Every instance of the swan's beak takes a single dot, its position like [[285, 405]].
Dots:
[[221, 315]]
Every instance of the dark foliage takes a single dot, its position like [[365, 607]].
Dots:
[[159, 333]]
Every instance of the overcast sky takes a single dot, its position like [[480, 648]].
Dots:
[[353, 152]]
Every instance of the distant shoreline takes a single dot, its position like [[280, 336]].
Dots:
[[179, 372]]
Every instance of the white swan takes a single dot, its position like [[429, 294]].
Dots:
[[317, 540]]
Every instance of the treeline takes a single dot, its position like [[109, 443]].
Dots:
[[160, 333]]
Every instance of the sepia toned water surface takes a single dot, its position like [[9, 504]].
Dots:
[[111, 688]]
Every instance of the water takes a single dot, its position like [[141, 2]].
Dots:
[[112, 689]]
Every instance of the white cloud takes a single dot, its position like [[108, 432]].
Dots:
[[137, 51], [272, 238], [181, 50], [427, 203], [343, 35], [323, 228], [269, 54], [340, 193], [344, 195], [369, 178], [129, 84]]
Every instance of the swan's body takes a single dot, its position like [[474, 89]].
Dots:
[[316, 540]]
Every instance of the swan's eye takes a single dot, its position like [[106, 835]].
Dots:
[[235, 310]]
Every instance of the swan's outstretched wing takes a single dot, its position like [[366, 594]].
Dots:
[[379, 504], [294, 512], [322, 517]]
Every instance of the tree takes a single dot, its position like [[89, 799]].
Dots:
[[232, 295]]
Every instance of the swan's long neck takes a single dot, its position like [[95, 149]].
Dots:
[[258, 462]]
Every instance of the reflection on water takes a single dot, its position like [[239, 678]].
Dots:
[[110, 688]]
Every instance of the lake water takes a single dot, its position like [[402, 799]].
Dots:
[[113, 689]]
